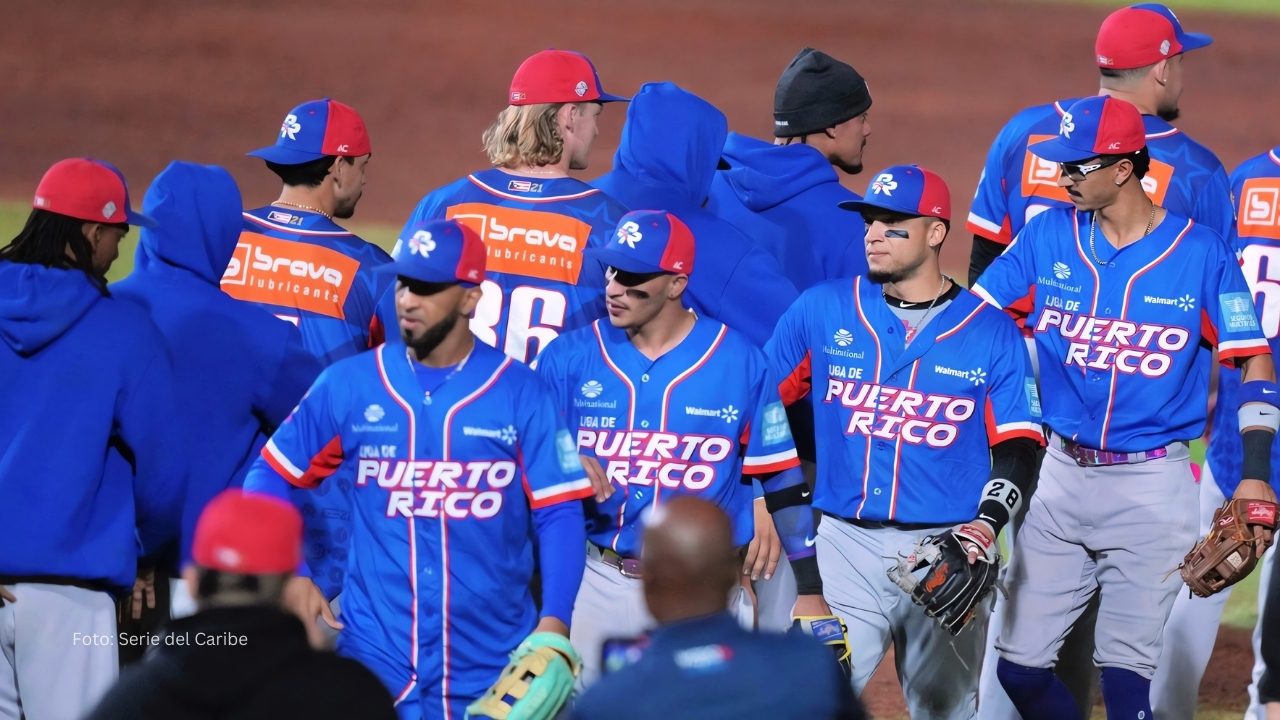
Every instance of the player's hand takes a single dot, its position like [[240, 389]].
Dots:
[[144, 589], [552, 625], [599, 481], [976, 537], [6, 596], [810, 606], [1257, 490], [304, 599], [765, 548]]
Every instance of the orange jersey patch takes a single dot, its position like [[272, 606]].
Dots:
[[291, 274], [1040, 177], [1258, 214], [529, 243]]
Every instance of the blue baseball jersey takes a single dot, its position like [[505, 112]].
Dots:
[[1125, 346], [535, 230], [437, 589], [1185, 177], [692, 422], [308, 270], [904, 431], [1255, 185]]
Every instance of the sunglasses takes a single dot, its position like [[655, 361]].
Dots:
[[629, 279], [423, 288], [1077, 172]]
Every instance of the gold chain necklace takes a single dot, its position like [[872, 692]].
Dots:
[[1093, 223], [911, 329], [300, 206]]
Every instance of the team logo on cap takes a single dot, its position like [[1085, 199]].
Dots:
[[1067, 125], [290, 127], [629, 234], [580, 88], [422, 244], [884, 184], [1164, 47], [109, 209]]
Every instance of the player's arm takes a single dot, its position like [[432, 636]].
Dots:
[[1009, 282], [552, 366], [989, 212], [554, 483], [982, 253], [788, 352]]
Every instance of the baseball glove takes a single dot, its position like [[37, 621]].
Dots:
[[950, 588], [1235, 542], [830, 631], [535, 684]]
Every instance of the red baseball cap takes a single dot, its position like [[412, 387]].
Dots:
[[558, 76], [248, 534], [908, 190], [1099, 125], [648, 241], [317, 128], [439, 251], [89, 190], [1142, 35]]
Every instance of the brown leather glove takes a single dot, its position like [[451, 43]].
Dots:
[[1237, 540]]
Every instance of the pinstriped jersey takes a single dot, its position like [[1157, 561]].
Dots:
[[535, 230], [442, 553], [1125, 344], [692, 422], [1255, 185], [904, 431], [1016, 185]]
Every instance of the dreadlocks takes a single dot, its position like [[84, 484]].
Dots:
[[55, 241]]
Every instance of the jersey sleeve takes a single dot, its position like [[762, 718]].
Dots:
[[1013, 400], [788, 353], [1011, 277], [307, 447], [989, 212], [548, 453], [769, 446], [1230, 322]]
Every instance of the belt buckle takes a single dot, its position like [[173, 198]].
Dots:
[[629, 567]]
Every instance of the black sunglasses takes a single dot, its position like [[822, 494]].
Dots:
[[629, 279], [1079, 171], [423, 288]]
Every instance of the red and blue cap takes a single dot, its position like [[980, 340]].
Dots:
[[89, 190], [1142, 35], [558, 76], [908, 190], [315, 129], [648, 241], [248, 534], [1099, 125], [439, 251]]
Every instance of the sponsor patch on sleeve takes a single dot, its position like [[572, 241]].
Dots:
[[567, 452], [1033, 397], [1237, 312], [776, 428]]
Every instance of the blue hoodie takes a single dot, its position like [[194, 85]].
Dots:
[[79, 372], [785, 198], [667, 158], [239, 371]]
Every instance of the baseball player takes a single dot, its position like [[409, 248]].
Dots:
[[535, 220], [1129, 301], [927, 422], [783, 195], [1139, 51], [81, 374], [667, 403], [461, 462], [295, 261], [1192, 629]]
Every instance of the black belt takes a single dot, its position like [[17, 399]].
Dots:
[[890, 524], [628, 567], [66, 580]]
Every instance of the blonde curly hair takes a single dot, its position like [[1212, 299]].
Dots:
[[525, 135]]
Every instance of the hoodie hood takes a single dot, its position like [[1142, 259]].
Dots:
[[39, 304], [672, 138], [197, 212], [764, 175]]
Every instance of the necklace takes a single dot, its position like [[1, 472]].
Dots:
[[426, 394], [1093, 223], [300, 206], [911, 329]]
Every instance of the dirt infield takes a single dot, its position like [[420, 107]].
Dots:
[[140, 82]]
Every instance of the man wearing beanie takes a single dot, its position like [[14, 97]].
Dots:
[[784, 195], [242, 655]]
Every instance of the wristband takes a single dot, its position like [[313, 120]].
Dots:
[[1257, 454], [1000, 502]]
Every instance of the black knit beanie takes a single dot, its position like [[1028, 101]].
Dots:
[[816, 92]]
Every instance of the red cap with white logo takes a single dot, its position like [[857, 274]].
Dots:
[[248, 534], [557, 76], [315, 129], [89, 190]]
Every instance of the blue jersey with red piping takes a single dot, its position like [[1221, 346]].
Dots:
[[1185, 177], [308, 270], [535, 229], [692, 422], [1125, 346], [1255, 185], [904, 431], [437, 590]]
